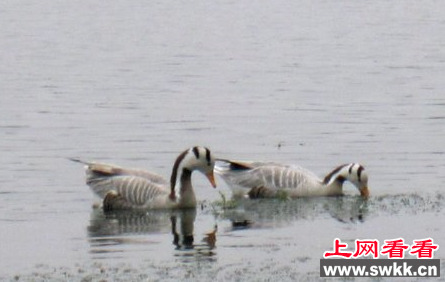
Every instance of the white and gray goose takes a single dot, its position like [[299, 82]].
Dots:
[[124, 188], [268, 179]]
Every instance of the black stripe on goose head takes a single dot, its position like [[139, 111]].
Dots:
[[359, 173], [350, 168], [174, 175], [196, 152], [208, 156]]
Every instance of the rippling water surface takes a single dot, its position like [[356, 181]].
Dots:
[[315, 83]]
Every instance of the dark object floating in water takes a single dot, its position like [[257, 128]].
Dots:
[[241, 223]]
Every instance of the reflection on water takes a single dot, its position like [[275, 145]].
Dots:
[[349, 209], [184, 239], [114, 232], [127, 223], [267, 213], [271, 213], [119, 234]]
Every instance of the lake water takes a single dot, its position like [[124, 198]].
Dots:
[[314, 83]]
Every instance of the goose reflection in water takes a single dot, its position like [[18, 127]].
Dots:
[[114, 232], [184, 240], [268, 213]]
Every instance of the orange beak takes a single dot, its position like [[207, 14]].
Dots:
[[211, 178], [364, 192]]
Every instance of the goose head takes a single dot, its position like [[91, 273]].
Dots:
[[354, 173], [196, 158]]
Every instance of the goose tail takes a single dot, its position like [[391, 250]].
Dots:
[[98, 176], [76, 160], [223, 166]]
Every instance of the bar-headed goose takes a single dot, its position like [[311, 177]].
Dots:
[[123, 188], [268, 179]]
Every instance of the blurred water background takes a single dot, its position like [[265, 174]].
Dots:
[[315, 83]]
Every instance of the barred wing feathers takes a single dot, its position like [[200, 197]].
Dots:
[[136, 187], [272, 177], [135, 190], [267, 175]]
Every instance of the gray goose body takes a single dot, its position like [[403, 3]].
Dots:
[[124, 188], [269, 179]]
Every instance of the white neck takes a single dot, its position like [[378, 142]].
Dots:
[[187, 198], [335, 188]]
